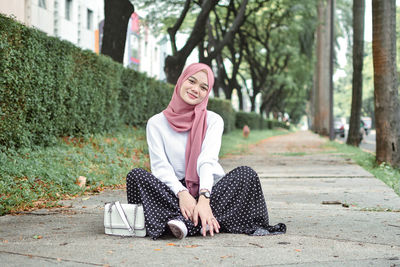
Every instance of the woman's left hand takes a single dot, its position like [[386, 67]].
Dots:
[[204, 212]]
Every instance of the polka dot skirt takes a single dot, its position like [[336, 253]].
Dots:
[[237, 202]]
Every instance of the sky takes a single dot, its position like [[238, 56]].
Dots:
[[368, 20], [341, 53]]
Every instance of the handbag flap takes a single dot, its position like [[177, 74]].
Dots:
[[129, 210]]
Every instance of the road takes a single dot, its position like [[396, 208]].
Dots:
[[368, 143]]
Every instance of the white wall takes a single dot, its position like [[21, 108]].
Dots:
[[75, 30], [52, 20], [151, 51], [43, 19], [15, 8], [86, 36]]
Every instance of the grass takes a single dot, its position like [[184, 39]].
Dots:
[[41, 177], [235, 143], [366, 160], [38, 178]]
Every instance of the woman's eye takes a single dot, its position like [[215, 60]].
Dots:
[[204, 88], [191, 81]]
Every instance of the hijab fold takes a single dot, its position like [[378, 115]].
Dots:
[[184, 117]]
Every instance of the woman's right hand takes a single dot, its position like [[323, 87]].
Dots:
[[187, 203]]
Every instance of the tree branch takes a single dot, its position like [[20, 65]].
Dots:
[[173, 30], [234, 28]]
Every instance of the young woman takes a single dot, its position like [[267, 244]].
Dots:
[[187, 190]]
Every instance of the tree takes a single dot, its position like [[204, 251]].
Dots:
[[116, 18], [222, 28], [263, 54], [175, 63], [321, 96], [278, 52], [358, 58], [387, 107]]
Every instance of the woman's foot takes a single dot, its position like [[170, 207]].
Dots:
[[178, 228]]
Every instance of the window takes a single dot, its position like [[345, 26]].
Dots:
[[89, 19], [68, 9], [42, 4]]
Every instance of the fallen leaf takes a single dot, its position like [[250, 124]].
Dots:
[[298, 250], [171, 244], [85, 198], [157, 249], [58, 259], [37, 236], [226, 256], [110, 252]]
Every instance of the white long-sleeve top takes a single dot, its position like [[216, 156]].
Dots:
[[167, 152]]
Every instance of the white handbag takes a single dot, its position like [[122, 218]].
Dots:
[[124, 219]]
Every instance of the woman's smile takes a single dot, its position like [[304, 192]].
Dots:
[[191, 95], [195, 88]]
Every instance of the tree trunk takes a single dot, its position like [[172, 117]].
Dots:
[[116, 18], [387, 110], [322, 70], [358, 57], [240, 96], [174, 64], [253, 103]]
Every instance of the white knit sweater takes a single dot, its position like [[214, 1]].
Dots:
[[167, 152]]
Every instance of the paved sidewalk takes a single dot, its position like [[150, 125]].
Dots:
[[337, 214]]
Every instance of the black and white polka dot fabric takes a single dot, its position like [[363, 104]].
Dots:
[[236, 200]]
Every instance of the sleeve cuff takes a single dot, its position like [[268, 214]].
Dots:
[[206, 177], [178, 187]]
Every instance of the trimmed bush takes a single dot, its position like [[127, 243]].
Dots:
[[277, 124], [256, 121], [50, 88], [223, 108], [142, 97], [251, 119]]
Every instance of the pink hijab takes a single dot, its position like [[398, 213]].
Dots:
[[184, 117]]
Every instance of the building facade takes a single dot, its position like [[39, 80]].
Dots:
[[145, 52], [81, 21], [72, 20]]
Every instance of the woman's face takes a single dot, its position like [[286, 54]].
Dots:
[[195, 88]]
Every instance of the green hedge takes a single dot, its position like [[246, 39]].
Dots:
[[256, 121], [223, 108], [50, 88], [140, 100], [250, 119]]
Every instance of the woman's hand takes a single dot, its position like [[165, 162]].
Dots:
[[187, 203], [203, 210]]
